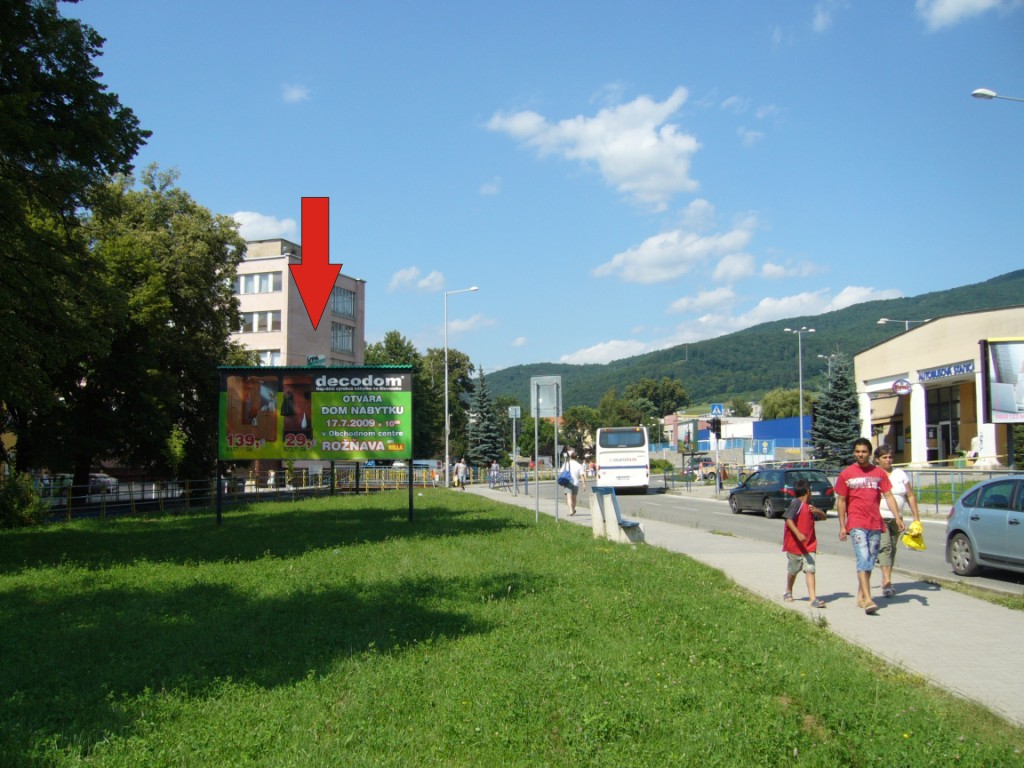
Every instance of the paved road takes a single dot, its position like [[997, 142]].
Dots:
[[966, 645]]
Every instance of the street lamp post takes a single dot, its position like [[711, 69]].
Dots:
[[800, 364], [906, 323], [828, 359], [447, 418], [988, 93]]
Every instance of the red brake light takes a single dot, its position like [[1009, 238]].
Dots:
[[830, 492]]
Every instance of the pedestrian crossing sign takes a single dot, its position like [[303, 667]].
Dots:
[[717, 410]]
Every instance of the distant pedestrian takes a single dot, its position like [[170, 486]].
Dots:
[[800, 543], [492, 477], [461, 473], [903, 492], [859, 491], [579, 480]]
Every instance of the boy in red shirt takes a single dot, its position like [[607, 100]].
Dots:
[[799, 542]]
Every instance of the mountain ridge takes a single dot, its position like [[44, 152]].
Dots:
[[752, 361]]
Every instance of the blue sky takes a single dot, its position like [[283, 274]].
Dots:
[[615, 177]]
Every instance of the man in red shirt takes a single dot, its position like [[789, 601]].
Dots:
[[859, 491]]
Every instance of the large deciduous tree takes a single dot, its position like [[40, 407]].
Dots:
[[165, 310], [667, 396], [427, 390], [61, 134]]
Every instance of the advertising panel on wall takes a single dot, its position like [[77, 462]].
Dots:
[[327, 414], [1003, 360]]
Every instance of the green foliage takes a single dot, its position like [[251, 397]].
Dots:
[[579, 427], [427, 390], [485, 444], [740, 407], [836, 416], [165, 310], [20, 505], [785, 403], [175, 449], [753, 361], [663, 466], [333, 632], [667, 396], [61, 135]]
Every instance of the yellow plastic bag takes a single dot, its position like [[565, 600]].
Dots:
[[913, 537]]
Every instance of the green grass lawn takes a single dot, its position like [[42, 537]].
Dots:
[[333, 632]]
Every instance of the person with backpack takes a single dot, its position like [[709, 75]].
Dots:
[[800, 543]]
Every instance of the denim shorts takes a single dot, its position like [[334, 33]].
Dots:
[[865, 547]]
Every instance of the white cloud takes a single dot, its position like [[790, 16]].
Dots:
[[704, 300], [735, 266], [492, 187], [856, 294], [432, 282], [735, 104], [634, 147], [474, 323], [293, 94], [671, 254], [409, 278], [607, 351], [765, 111], [749, 137], [947, 13], [257, 226], [772, 271], [519, 341]]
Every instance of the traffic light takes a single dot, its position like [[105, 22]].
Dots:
[[716, 427]]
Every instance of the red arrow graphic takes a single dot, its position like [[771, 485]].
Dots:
[[315, 276]]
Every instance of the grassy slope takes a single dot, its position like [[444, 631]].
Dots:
[[337, 633]]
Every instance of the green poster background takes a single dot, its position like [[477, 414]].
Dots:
[[328, 414]]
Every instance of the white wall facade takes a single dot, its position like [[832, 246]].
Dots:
[[921, 391]]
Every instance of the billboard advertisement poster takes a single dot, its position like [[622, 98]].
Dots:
[[1004, 378], [327, 414]]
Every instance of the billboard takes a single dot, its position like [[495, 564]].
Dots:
[[327, 414], [1003, 360]]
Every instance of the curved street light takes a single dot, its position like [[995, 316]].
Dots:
[[988, 94], [447, 420], [906, 323], [800, 363]]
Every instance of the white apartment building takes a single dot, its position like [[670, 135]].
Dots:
[[275, 323]]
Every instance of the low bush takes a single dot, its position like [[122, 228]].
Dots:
[[20, 505]]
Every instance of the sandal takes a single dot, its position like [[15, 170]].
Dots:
[[888, 590], [817, 603], [787, 597], [870, 608]]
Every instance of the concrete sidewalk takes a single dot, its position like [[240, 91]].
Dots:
[[968, 646]]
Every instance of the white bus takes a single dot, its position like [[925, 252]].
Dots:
[[622, 460]]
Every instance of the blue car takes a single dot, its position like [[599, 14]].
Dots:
[[986, 527]]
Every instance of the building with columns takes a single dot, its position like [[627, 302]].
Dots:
[[925, 391]]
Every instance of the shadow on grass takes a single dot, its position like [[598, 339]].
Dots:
[[74, 663], [247, 533]]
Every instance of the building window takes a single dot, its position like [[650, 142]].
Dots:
[[342, 337], [269, 356], [256, 322], [343, 302], [259, 282]]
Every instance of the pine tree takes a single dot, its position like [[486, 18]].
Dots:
[[836, 416], [485, 444]]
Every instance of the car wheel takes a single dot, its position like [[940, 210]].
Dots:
[[961, 555], [768, 511], [734, 505]]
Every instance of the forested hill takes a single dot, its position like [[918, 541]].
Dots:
[[748, 363]]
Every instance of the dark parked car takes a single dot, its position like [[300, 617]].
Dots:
[[771, 490], [986, 527]]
